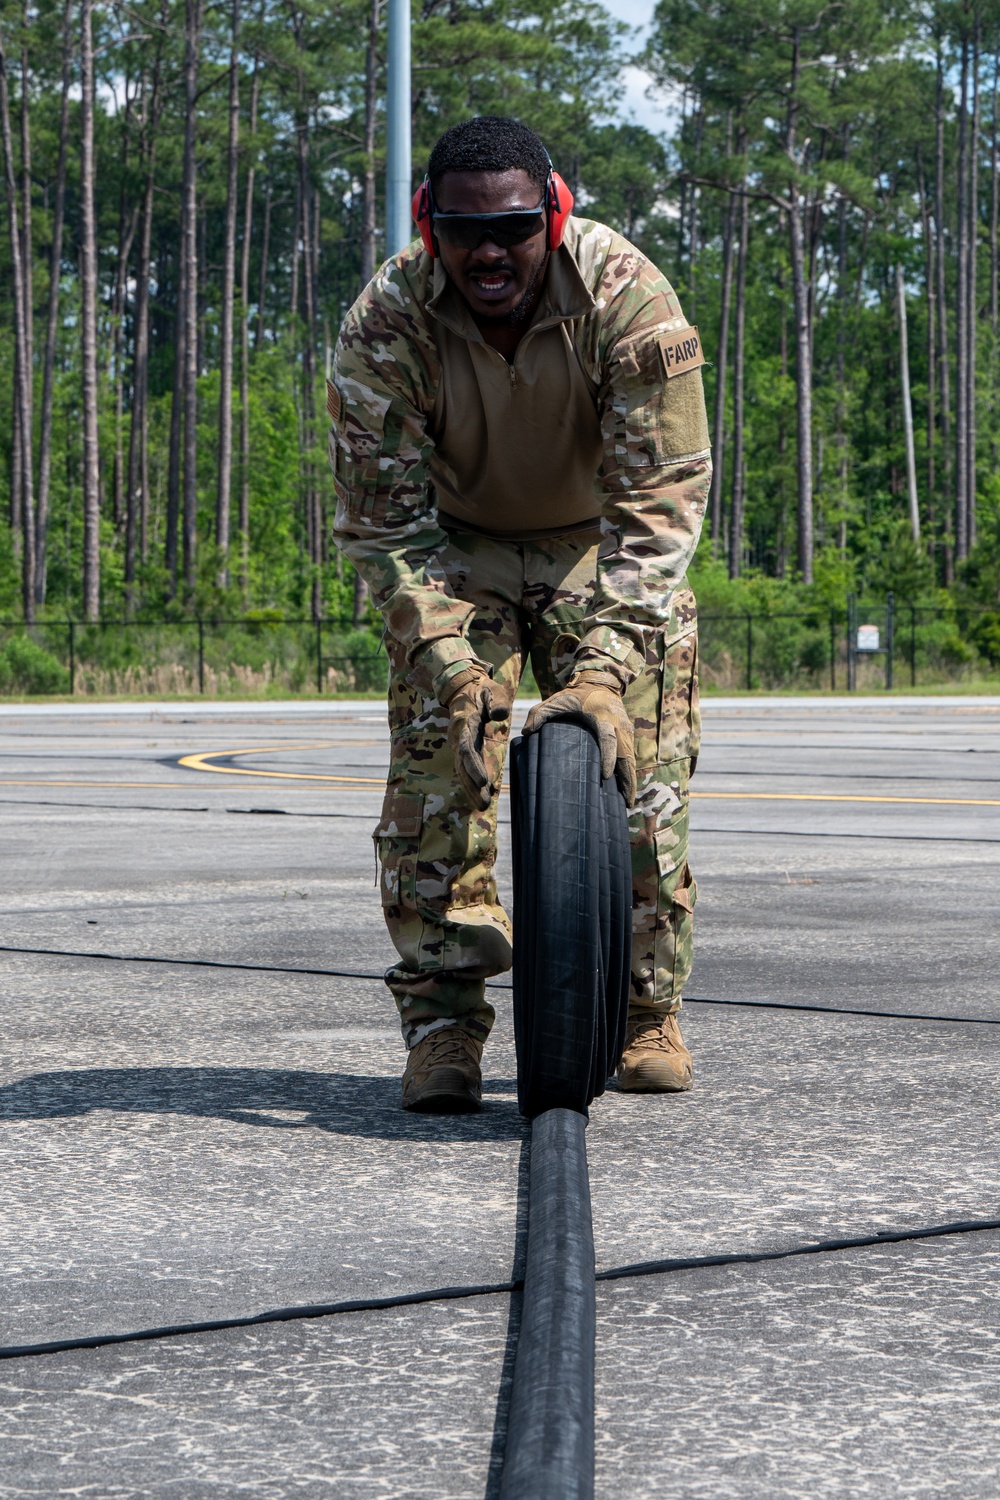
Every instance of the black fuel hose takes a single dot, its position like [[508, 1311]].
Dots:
[[549, 1452]]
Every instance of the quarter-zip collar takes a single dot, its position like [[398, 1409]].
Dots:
[[565, 296]]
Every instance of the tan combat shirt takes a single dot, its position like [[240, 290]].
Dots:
[[600, 414], [517, 446]]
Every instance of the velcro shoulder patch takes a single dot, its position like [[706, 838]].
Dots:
[[681, 351], [332, 401]]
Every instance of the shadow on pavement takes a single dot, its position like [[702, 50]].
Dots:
[[353, 1104]]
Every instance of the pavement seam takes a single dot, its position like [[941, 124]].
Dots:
[[215, 963], [461, 1293], [819, 1247], [846, 1010]]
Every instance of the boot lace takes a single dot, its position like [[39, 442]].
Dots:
[[447, 1047], [653, 1033]]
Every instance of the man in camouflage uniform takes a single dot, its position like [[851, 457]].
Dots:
[[521, 458]]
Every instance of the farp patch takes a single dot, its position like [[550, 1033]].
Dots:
[[681, 352]]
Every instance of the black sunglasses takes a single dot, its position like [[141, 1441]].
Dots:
[[468, 231]]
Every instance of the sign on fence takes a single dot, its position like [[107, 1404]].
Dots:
[[868, 638]]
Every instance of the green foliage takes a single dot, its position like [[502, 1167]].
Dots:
[[27, 668], [863, 99], [985, 636]]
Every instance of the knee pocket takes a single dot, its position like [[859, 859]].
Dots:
[[662, 701], [679, 718], [397, 844], [672, 947], [433, 860]]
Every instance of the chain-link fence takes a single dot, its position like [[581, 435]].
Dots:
[[869, 645], [179, 658]]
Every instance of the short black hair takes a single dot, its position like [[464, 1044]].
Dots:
[[489, 143]]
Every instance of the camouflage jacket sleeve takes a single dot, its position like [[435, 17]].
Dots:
[[656, 469], [384, 378]]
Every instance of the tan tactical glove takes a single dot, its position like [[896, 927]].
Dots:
[[596, 697], [476, 704]]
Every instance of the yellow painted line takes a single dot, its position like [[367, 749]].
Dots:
[[368, 781], [201, 762]]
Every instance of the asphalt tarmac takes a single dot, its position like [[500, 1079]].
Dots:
[[199, 1123]]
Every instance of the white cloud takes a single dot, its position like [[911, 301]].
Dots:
[[657, 113]]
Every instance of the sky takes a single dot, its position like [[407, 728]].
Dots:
[[634, 104]]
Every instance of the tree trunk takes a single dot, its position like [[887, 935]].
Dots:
[[699, 131], [931, 294], [189, 255], [126, 236], [972, 316], [994, 202], [310, 493], [52, 319], [228, 291], [843, 465], [88, 324], [244, 522], [813, 217], [128, 218], [994, 215], [721, 358], [265, 255], [295, 294], [137, 497], [685, 188], [944, 372], [368, 257], [803, 341], [738, 507], [16, 455], [23, 465], [171, 552], [904, 382], [313, 264], [27, 239], [780, 550], [962, 313]]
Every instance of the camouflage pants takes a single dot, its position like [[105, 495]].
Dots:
[[437, 855]]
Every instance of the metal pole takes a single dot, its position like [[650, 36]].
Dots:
[[72, 658], [749, 651], [201, 657], [890, 638], [319, 656], [398, 171], [913, 645], [852, 643]]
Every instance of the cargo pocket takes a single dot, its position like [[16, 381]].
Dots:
[[680, 717], [357, 442], [674, 924], [397, 843], [356, 482]]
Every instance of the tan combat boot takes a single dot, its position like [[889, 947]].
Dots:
[[442, 1073], [655, 1060]]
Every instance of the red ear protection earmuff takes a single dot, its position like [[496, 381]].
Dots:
[[558, 207], [420, 208]]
